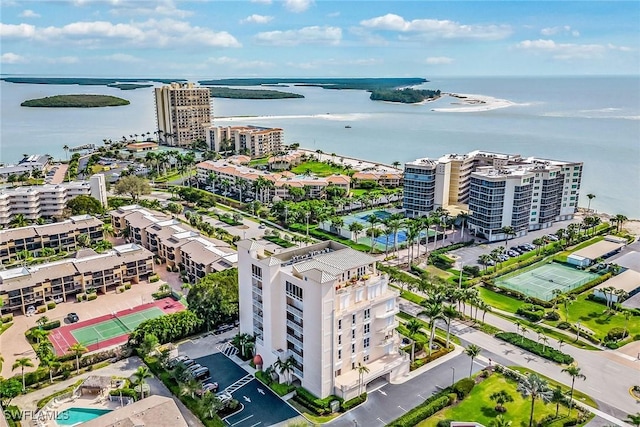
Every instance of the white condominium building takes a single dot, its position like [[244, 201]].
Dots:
[[328, 308], [183, 113], [499, 190], [49, 200], [253, 140]]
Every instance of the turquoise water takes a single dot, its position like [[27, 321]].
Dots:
[[73, 416]]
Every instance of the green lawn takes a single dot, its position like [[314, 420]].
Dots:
[[592, 316], [316, 168], [259, 162], [577, 395], [499, 301], [479, 408]]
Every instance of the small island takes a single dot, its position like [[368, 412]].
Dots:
[[225, 92], [76, 101], [405, 96]]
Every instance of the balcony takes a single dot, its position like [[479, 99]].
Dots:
[[388, 313], [295, 340], [388, 327], [386, 341], [257, 304], [293, 325], [256, 290], [295, 311]]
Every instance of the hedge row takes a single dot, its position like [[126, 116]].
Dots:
[[592, 284], [421, 412], [319, 406], [531, 312], [535, 348], [350, 404]]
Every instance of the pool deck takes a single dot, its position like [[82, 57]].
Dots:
[[90, 402]]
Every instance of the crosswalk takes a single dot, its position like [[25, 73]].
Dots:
[[238, 384], [227, 349]]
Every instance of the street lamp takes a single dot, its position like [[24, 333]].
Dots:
[[307, 214], [453, 376]]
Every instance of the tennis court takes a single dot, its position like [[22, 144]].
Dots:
[[541, 282], [116, 326]]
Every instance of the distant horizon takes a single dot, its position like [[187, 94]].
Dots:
[[193, 78]]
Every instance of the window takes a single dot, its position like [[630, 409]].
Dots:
[[365, 358], [353, 348], [340, 339], [339, 354], [256, 271], [366, 342], [338, 372], [353, 334], [339, 324], [353, 319], [367, 328], [367, 314], [294, 291]]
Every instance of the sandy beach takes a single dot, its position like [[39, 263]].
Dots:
[[469, 103]]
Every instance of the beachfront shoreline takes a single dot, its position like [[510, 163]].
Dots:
[[470, 103]]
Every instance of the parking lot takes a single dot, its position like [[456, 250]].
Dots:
[[470, 254], [260, 406]]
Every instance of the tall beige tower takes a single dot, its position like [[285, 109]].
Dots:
[[183, 112]]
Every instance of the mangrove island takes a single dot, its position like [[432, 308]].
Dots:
[[405, 96], [76, 101]]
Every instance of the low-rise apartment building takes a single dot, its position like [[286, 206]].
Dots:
[[498, 190], [173, 242], [327, 307], [47, 201], [61, 236], [255, 141], [278, 182], [23, 287]]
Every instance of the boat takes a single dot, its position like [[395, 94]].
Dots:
[[347, 127]]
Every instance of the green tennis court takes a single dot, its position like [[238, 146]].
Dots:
[[542, 281], [114, 327]]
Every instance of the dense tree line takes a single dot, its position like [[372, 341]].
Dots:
[[214, 298], [167, 328], [405, 96], [76, 101]]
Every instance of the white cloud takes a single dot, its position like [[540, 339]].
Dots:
[[333, 14], [437, 28], [63, 60], [297, 6], [317, 64], [256, 19], [564, 29], [306, 35], [565, 51], [234, 63], [121, 57], [12, 58], [28, 13], [154, 8], [438, 60], [150, 33]]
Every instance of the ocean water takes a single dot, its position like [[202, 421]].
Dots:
[[591, 119]]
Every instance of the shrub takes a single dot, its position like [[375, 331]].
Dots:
[[535, 348], [169, 269], [453, 398], [444, 423], [319, 406], [51, 305], [8, 318], [564, 325], [570, 422], [616, 334], [127, 286], [531, 312], [463, 387], [552, 315], [92, 297], [421, 412], [51, 325], [154, 279], [42, 309], [121, 289], [126, 392], [350, 404]]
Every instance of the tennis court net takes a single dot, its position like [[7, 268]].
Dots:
[[126, 328]]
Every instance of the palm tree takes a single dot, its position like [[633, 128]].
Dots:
[[619, 219], [472, 351], [500, 421], [433, 311], [507, 231], [557, 397], [362, 369], [1, 362], [285, 367], [66, 151], [634, 419], [83, 240], [537, 388], [449, 313], [107, 230], [140, 375], [189, 387], [524, 331], [22, 363], [18, 221], [209, 405], [590, 196], [77, 349], [501, 397], [356, 228], [574, 372]]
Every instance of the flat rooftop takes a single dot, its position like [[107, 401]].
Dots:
[[627, 281], [598, 250]]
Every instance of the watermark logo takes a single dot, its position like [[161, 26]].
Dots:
[[16, 414]]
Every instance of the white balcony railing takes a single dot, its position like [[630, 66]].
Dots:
[[388, 313]]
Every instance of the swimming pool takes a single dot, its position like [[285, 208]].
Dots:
[[73, 416]]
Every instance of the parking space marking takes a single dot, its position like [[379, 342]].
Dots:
[[242, 420]]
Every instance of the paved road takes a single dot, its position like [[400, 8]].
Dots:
[[609, 374]]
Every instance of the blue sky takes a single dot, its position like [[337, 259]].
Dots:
[[216, 39]]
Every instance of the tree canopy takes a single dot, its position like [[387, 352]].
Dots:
[[85, 205], [214, 298], [132, 185]]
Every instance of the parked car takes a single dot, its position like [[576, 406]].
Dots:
[[523, 248], [202, 374], [193, 368], [188, 363], [513, 253], [223, 328], [73, 317], [552, 237], [176, 361], [207, 387]]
